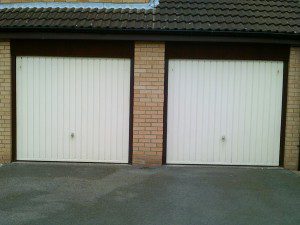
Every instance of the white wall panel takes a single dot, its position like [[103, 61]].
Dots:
[[89, 97], [208, 99]]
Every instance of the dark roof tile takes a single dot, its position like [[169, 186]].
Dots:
[[271, 16]]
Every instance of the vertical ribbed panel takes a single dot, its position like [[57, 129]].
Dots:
[[240, 100], [89, 97]]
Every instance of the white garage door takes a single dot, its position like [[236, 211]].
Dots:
[[224, 112], [73, 109]]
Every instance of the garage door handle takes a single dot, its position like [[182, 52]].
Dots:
[[72, 135], [223, 138]]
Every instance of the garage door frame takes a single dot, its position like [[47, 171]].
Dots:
[[67, 48], [228, 51]]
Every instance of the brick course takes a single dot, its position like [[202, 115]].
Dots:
[[291, 155], [148, 103], [109, 1], [5, 102]]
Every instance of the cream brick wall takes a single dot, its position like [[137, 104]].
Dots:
[[111, 1], [5, 102], [148, 103], [293, 112]]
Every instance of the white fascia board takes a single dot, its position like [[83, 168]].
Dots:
[[92, 5]]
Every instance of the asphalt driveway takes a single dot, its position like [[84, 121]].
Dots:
[[44, 193]]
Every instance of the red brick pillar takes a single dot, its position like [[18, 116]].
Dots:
[[149, 64]]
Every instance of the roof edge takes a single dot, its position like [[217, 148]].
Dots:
[[164, 37], [189, 33]]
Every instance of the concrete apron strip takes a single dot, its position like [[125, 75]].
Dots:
[[86, 5], [71, 163], [128, 165], [225, 166]]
